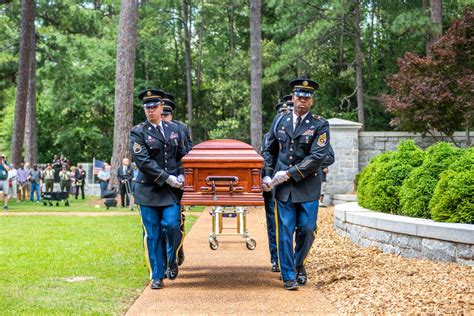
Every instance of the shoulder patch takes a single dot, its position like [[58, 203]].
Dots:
[[137, 148], [322, 140]]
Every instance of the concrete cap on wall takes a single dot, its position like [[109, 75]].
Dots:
[[340, 123]]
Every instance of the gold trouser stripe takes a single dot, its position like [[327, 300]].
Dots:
[[314, 234], [145, 245], [182, 232], [275, 211], [299, 171]]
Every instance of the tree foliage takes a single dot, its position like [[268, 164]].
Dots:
[[436, 93], [76, 44]]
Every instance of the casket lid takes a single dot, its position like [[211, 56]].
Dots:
[[223, 149]]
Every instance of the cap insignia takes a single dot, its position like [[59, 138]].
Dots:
[[148, 93], [305, 83]]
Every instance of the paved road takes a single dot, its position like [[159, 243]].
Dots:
[[230, 280]]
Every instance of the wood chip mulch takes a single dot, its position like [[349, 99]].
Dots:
[[368, 281]]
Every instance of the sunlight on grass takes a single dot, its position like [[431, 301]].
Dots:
[[65, 265]]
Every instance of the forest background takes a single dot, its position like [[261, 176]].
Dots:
[[76, 47]]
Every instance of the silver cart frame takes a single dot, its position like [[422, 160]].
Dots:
[[218, 213]]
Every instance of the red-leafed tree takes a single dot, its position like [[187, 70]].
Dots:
[[436, 93]]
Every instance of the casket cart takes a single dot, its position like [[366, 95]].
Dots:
[[224, 174]]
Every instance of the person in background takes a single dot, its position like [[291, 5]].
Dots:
[[124, 175], [65, 180], [80, 180], [104, 177], [12, 182], [4, 167], [34, 177], [73, 181], [135, 174], [22, 178], [56, 165], [65, 162], [48, 178]]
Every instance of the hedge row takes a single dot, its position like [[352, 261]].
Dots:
[[437, 183]]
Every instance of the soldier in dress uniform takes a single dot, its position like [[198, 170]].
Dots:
[[296, 146], [157, 149], [288, 100], [167, 116], [268, 197]]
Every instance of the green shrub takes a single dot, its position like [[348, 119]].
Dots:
[[453, 198], [380, 182], [417, 190]]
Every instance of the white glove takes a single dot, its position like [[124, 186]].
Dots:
[[173, 182], [279, 178], [181, 178], [266, 184]]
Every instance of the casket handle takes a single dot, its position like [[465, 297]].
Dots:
[[229, 187], [232, 179]]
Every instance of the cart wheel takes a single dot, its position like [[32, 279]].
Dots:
[[251, 244], [213, 244]]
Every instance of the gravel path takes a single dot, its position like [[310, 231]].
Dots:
[[368, 281]]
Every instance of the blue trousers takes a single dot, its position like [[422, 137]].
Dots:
[[271, 230], [291, 216], [160, 223], [35, 187]]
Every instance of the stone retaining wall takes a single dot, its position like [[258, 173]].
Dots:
[[354, 148], [373, 143], [405, 236]]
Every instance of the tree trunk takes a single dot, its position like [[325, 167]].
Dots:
[[124, 78], [230, 25], [256, 75], [26, 28], [31, 140], [358, 65], [187, 48], [436, 19], [199, 61]]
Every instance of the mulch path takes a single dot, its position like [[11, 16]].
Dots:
[[368, 281]]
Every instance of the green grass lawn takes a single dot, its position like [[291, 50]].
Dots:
[[79, 205], [39, 253]]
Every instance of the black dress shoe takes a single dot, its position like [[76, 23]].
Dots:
[[157, 284], [172, 271], [301, 276], [180, 256], [275, 267], [291, 285]]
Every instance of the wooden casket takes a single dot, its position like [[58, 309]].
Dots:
[[223, 173]]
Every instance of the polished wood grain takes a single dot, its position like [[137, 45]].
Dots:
[[226, 158]]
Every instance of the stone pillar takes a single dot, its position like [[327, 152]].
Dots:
[[345, 142]]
